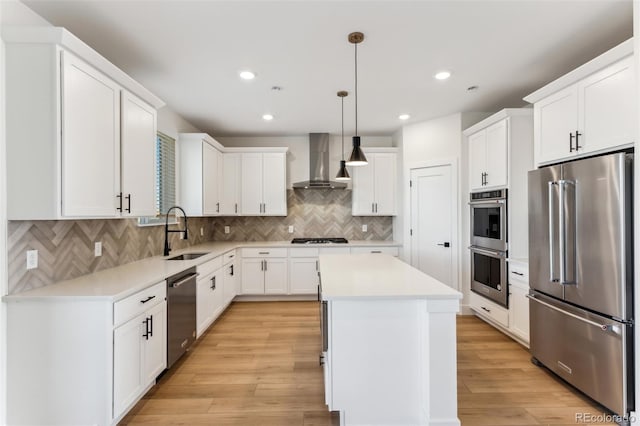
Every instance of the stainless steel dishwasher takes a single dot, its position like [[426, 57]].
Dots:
[[181, 314]]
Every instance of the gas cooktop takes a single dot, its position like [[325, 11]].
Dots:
[[321, 240]]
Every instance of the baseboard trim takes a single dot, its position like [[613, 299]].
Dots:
[[277, 298]]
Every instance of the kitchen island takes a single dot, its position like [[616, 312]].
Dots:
[[389, 342]]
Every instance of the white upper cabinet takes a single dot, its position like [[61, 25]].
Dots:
[[229, 188], [589, 111], [80, 132], [138, 139], [375, 185], [488, 157], [264, 183], [200, 174]]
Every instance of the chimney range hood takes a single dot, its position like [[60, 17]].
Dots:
[[319, 165]]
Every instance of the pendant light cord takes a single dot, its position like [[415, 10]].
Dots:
[[356, 60], [342, 99]]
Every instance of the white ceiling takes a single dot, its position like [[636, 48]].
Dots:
[[189, 54]]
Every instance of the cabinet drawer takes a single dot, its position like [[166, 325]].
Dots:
[[303, 252], [393, 251], [210, 266], [488, 309], [264, 252], [128, 308], [335, 250], [518, 273], [229, 257]]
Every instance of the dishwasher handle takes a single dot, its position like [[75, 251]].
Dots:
[[184, 280]]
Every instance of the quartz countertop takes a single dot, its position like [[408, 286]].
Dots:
[[377, 276], [122, 281]]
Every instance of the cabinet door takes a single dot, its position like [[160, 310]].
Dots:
[[477, 160], [496, 155], [251, 184], [127, 363], [210, 200], [362, 203], [303, 275], [138, 156], [385, 184], [155, 344], [229, 283], [519, 312], [274, 184], [253, 276], [556, 118], [275, 276], [90, 141], [230, 185], [218, 292], [607, 108], [205, 303]]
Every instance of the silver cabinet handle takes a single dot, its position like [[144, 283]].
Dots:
[[263, 252], [603, 327], [552, 232], [185, 279], [487, 252], [376, 251]]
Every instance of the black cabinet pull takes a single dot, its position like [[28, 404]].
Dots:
[[571, 142], [445, 244], [231, 267], [236, 207], [128, 197], [485, 309], [151, 326], [146, 328], [213, 282], [217, 207], [518, 273], [577, 143], [147, 299], [119, 196]]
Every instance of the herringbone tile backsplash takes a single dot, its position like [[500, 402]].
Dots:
[[66, 247]]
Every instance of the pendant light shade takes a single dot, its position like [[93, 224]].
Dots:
[[357, 156], [343, 174]]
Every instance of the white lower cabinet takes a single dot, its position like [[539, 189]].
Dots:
[[139, 355], [230, 281], [209, 299], [303, 275], [264, 271], [489, 310]]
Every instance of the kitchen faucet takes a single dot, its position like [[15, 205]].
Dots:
[[167, 249]]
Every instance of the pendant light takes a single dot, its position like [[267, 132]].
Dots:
[[357, 156], [343, 174]]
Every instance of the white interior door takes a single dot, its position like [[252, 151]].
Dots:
[[432, 221]]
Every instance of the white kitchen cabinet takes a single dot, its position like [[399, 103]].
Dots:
[[138, 167], [230, 185], [139, 355], [209, 299], [67, 109], [264, 271], [589, 111], [200, 174], [230, 277], [374, 185], [263, 184], [303, 275], [518, 302], [488, 150], [489, 310]]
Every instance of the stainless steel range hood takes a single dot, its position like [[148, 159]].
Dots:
[[319, 165]]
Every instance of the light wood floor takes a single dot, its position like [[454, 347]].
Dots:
[[258, 365]]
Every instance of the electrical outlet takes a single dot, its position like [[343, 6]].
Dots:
[[364, 228], [97, 249], [202, 232], [291, 229], [32, 259], [227, 229]]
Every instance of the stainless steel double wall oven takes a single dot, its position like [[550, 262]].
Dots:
[[489, 245]]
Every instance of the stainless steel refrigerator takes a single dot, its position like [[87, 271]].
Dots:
[[581, 276]]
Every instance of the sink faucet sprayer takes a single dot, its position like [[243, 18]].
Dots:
[[167, 249]]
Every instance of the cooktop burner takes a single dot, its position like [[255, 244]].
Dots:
[[319, 241]]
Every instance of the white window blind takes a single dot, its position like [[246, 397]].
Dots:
[[165, 179]]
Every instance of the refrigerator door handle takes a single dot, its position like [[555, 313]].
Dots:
[[567, 232], [563, 231], [552, 232], [602, 327]]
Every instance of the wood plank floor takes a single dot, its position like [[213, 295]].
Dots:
[[258, 365]]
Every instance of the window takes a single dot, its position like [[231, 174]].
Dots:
[[165, 179]]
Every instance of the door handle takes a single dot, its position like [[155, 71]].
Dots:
[[265, 265], [184, 280], [119, 196], [217, 207], [603, 327], [571, 142], [236, 207], [445, 244], [577, 144], [213, 282], [231, 270], [128, 197], [552, 232]]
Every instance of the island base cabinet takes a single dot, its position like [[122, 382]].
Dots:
[[403, 352]]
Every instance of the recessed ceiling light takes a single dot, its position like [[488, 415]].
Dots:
[[442, 75], [247, 75], [267, 117], [404, 116]]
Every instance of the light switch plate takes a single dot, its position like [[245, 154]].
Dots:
[[364, 228], [227, 229], [32, 259], [201, 232], [97, 250], [291, 229]]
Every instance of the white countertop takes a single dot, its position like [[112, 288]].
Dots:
[[122, 281], [377, 276]]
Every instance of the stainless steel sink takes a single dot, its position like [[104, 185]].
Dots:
[[187, 256]]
